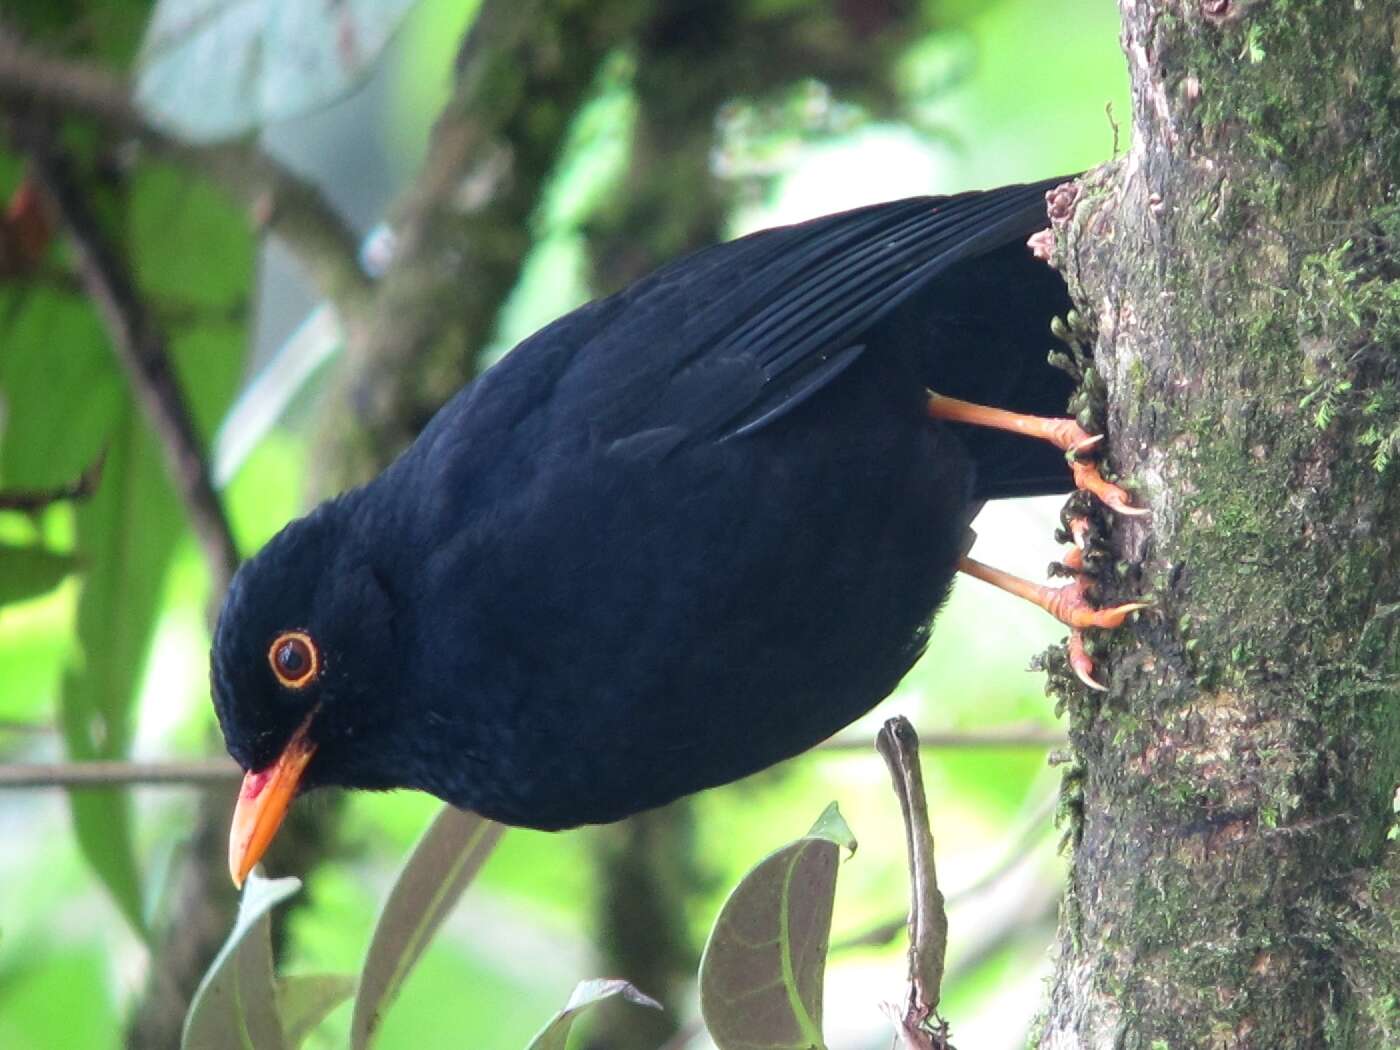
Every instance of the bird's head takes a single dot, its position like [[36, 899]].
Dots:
[[304, 670]]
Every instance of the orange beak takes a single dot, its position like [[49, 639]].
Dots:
[[263, 802]]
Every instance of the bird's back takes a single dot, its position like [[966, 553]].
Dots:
[[726, 341]]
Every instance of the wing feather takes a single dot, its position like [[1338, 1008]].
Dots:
[[794, 322]]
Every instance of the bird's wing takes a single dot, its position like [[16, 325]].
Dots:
[[725, 341]]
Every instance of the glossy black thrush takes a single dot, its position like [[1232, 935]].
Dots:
[[678, 535]]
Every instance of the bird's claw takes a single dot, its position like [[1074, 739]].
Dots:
[[1081, 663], [1075, 441], [1088, 478], [1063, 432], [1070, 605], [1084, 441], [1073, 560]]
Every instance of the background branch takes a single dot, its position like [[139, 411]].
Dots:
[[193, 772], [140, 346]]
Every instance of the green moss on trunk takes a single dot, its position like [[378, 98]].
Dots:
[[1237, 782]]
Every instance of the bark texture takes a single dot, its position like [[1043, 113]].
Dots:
[[1234, 863]]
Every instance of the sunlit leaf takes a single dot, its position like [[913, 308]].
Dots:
[[27, 572], [213, 69], [303, 1002], [235, 1006], [761, 974], [555, 1035], [443, 864], [832, 826]]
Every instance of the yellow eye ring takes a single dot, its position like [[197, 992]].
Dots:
[[294, 658]]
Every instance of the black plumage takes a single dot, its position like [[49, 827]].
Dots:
[[674, 537]]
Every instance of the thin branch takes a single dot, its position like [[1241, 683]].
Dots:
[[279, 200], [140, 346], [1029, 736], [191, 773]]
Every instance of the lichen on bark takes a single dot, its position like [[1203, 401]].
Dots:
[[1230, 884]]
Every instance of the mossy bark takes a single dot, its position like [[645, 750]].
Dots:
[[1234, 854]]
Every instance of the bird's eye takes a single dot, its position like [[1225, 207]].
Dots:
[[294, 658]]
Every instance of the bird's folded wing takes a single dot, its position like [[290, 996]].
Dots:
[[730, 339]]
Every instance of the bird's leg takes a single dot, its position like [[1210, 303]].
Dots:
[[1069, 604], [1063, 433]]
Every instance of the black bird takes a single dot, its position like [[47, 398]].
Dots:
[[678, 535]]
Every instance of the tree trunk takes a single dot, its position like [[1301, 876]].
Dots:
[[1233, 854]]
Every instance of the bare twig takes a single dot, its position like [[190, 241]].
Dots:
[[1029, 736], [192, 773], [280, 201], [140, 347], [898, 745], [31, 501]]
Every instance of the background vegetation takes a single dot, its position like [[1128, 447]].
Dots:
[[104, 600]]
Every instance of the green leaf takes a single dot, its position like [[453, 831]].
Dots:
[[832, 826], [761, 974], [235, 1006], [443, 864], [59, 408], [303, 1002], [555, 1035], [27, 572]]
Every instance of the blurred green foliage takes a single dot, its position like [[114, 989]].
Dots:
[[110, 661]]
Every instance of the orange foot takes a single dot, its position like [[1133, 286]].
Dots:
[[1064, 434], [1069, 604]]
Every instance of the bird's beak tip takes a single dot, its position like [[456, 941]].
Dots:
[[263, 801]]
